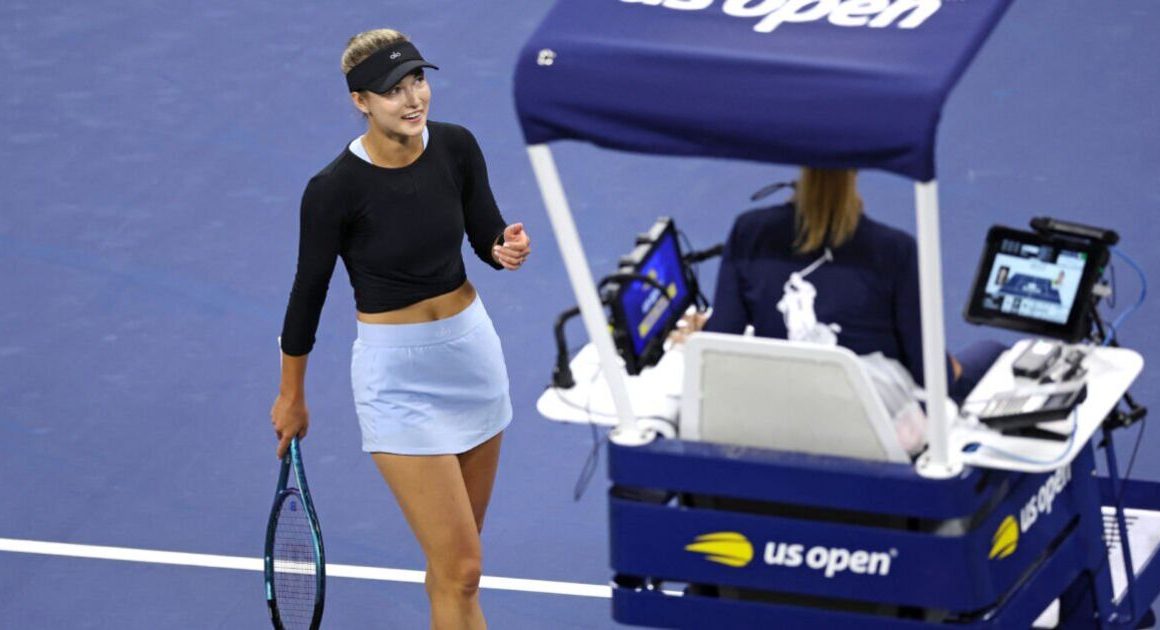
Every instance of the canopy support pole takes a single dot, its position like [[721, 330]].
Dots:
[[627, 432], [937, 462]]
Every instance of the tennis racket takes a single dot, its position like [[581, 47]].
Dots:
[[295, 562]]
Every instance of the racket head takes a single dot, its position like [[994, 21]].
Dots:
[[294, 559]]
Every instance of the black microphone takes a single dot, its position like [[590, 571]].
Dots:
[[704, 254], [1076, 230]]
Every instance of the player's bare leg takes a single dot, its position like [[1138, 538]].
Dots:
[[479, 466], [434, 499]]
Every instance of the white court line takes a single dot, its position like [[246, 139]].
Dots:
[[255, 564]]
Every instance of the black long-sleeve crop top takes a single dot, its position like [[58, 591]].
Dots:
[[398, 230]]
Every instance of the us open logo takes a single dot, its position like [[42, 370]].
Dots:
[[728, 548], [1006, 538], [848, 13], [733, 549]]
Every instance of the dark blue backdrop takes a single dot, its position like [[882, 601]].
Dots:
[[824, 84]]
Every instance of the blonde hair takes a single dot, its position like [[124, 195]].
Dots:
[[368, 43], [827, 208]]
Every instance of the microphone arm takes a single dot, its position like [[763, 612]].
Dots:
[[562, 373], [692, 258]]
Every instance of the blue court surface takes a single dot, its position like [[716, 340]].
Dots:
[[152, 156]]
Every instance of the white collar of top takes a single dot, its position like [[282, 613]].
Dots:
[[357, 148]]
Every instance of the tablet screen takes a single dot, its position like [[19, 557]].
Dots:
[[643, 315], [1035, 283]]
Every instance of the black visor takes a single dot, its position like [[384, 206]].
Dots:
[[384, 69]]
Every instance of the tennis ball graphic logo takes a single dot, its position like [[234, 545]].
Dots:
[[728, 548], [1006, 538]]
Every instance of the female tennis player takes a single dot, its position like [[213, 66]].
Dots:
[[429, 379]]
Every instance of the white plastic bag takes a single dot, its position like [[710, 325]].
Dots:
[[900, 395]]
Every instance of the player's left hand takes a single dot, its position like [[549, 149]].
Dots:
[[515, 249]]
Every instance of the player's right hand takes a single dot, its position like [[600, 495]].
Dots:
[[290, 419]]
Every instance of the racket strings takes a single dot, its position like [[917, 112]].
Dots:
[[295, 568]]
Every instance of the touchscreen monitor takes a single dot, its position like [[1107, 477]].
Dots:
[[1035, 283], [642, 314]]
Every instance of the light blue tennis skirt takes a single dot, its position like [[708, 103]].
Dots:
[[432, 388]]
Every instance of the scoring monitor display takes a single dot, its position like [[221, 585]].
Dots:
[[1034, 283], [643, 315], [645, 306]]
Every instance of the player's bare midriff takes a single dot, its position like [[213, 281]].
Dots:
[[429, 310]]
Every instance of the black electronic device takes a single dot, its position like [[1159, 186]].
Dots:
[[1039, 283], [1023, 408], [643, 314], [1067, 367], [1067, 229], [1039, 357]]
